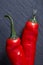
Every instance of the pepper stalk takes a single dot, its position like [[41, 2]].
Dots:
[[13, 33], [34, 16]]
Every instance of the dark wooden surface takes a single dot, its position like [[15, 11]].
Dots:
[[21, 11]]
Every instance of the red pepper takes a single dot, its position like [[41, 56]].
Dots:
[[14, 49], [29, 39]]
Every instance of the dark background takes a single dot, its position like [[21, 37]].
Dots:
[[21, 11]]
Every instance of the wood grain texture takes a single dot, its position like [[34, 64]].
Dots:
[[21, 11]]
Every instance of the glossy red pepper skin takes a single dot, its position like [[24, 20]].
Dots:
[[29, 38], [14, 49], [15, 52]]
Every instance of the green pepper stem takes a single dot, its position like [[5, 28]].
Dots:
[[13, 33], [34, 19], [34, 15]]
